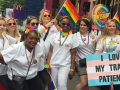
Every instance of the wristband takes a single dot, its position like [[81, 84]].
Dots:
[[46, 65], [58, 28], [45, 27], [71, 69]]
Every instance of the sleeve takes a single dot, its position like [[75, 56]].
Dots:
[[51, 39], [11, 40], [75, 42], [9, 53], [100, 46]]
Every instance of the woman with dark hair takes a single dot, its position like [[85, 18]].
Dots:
[[61, 55], [87, 42], [23, 61]]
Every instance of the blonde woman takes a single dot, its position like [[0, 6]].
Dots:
[[109, 42], [11, 28]]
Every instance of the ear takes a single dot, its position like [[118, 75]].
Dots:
[[28, 25], [25, 38]]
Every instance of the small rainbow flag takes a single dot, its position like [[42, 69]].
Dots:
[[52, 86], [69, 9], [116, 18]]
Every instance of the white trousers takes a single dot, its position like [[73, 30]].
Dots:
[[60, 76]]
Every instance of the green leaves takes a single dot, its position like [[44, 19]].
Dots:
[[9, 3]]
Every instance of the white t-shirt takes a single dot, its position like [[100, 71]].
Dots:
[[110, 45], [52, 30], [15, 58], [62, 55], [86, 45], [4, 44]]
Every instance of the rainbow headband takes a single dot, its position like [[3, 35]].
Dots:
[[32, 29], [86, 19]]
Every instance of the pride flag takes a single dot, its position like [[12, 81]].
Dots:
[[52, 86], [69, 9], [116, 18]]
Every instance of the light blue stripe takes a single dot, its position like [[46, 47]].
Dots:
[[63, 11], [95, 82], [94, 57]]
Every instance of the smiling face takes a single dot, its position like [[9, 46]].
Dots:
[[2, 26], [111, 29], [34, 23], [83, 27], [31, 40], [65, 24], [46, 17], [11, 25]]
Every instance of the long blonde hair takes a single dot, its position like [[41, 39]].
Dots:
[[104, 33], [41, 15], [16, 32]]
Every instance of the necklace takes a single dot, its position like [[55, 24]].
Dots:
[[63, 34], [27, 56], [85, 39]]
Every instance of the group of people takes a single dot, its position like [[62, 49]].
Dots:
[[46, 50]]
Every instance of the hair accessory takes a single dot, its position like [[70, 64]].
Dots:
[[86, 19], [42, 10], [31, 29], [2, 18]]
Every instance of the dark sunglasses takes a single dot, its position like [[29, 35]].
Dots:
[[68, 24], [12, 23], [33, 24], [47, 15]]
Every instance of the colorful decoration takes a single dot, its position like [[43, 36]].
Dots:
[[65, 33], [9, 12], [31, 29], [19, 12], [100, 15], [116, 18], [47, 66], [69, 9], [52, 86]]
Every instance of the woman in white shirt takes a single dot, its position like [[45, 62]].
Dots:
[[11, 28], [61, 55], [22, 55], [5, 42], [87, 41], [109, 42]]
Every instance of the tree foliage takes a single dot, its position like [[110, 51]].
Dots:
[[9, 3]]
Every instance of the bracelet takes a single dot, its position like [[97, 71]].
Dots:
[[45, 27], [47, 66], [71, 69], [58, 28]]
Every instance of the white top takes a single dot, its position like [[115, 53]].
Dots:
[[8, 40], [110, 45], [52, 30], [83, 49], [15, 58], [61, 55]]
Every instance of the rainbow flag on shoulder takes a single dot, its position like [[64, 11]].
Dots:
[[116, 18], [69, 9]]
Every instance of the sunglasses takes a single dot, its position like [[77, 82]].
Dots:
[[33, 24], [12, 23], [68, 24], [47, 15]]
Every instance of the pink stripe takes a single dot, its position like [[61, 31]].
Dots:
[[105, 62], [96, 75]]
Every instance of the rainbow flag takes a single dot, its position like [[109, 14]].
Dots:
[[69, 9], [116, 18], [52, 86]]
